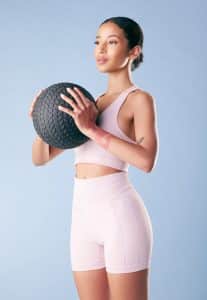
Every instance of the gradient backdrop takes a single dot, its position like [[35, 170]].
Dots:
[[45, 42]]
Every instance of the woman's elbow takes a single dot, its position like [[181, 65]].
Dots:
[[38, 163], [149, 168], [150, 165]]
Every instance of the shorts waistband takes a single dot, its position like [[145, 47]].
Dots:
[[113, 179]]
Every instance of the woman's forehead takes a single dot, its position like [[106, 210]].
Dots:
[[109, 29]]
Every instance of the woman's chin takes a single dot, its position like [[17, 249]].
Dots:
[[104, 69]]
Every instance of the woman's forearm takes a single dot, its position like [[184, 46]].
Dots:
[[132, 153], [40, 152]]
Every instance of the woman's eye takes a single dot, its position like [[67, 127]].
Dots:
[[110, 42], [113, 42]]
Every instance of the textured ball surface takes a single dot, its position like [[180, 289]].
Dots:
[[56, 127]]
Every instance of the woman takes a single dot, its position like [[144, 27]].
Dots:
[[111, 233]]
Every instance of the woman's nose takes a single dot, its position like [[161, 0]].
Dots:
[[102, 48]]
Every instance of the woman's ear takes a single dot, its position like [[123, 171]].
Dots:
[[135, 52]]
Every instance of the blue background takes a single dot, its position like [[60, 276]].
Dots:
[[45, 42]]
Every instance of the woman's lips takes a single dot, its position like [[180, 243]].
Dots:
[[102, 61]]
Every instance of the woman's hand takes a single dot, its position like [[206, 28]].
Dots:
[[34, 101], [32, 107], [84, 111]]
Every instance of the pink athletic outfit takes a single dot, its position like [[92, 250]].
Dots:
[[110, 224]]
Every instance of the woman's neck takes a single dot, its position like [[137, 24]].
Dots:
[[118, 81]]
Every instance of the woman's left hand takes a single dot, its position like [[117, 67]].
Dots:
[[84, 111]]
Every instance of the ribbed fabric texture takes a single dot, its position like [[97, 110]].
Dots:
[[91, 152]]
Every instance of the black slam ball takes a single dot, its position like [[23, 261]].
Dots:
[[56, 127]]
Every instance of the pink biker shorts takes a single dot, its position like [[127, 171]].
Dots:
[[110, 225]]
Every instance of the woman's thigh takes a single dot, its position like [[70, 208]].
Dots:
[[133, 285], [92, 284], [128, 236]]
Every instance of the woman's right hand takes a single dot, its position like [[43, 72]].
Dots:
[[34, 101]]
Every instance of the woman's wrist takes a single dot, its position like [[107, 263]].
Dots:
[[100, 136]]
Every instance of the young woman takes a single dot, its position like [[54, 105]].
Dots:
[[111, 232]]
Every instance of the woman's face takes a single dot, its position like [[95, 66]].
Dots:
[[111, 48]]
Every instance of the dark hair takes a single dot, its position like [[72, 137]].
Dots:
[[133, 33]]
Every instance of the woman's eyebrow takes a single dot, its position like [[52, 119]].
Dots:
[[98, 36]]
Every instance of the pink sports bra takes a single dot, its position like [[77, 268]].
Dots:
[[91, 152]]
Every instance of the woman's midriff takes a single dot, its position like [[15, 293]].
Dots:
[[88, 170]]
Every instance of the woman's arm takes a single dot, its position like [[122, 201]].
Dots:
[[145, 123], [43, 152], [141, 156]]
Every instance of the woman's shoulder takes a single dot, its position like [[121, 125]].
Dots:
[[140, 95], [140, 92]]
